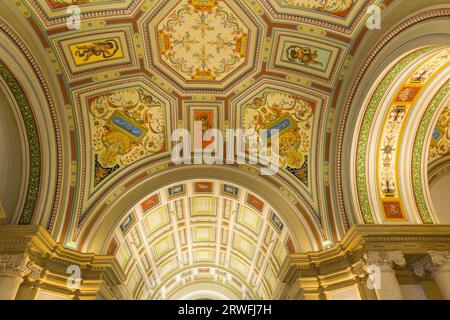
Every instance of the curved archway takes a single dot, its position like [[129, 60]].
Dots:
[[419, 30], [433, 180], [206, 290], [40, 136], [217, 228], [439, 186], [304, 235], [388, 130]]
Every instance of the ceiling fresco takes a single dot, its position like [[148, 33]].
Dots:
[[220, 49], [204, 227], [137, 70], [203, 44], [404, 101], [126, 126], [397, 105], [277, 109], [325, 13]]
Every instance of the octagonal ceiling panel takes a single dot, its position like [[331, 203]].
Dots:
[[198, 44]]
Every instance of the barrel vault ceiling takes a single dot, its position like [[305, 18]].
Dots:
[[137, 70], [197, 231]]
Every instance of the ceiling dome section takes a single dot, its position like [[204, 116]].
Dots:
[[201, 231], [202, 43], [136, 71]]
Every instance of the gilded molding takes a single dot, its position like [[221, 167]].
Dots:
[[2, 212], [387, 241], [31, 249]]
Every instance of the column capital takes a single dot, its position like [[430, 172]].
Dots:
[[387, 259], [433, 261], [19, 265]]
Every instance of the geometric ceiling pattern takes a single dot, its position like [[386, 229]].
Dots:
[[202, 43], [137, 70], [100, 101], [134, 71], [201, 229]]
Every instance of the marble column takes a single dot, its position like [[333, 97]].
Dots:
[[13, 269], [382, 276], [438, 265]]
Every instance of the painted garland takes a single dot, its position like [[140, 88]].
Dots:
[[361, 179], [33, 143]]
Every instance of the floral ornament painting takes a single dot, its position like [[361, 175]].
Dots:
[[127, 126]]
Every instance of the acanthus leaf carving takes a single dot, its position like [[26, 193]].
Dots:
[[432, 262], [20, 265]]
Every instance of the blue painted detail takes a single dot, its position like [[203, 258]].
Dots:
[[436, 134], [283, 125], [127, 126]]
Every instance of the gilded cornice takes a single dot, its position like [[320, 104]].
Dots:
[[360, 239], [35, 242]]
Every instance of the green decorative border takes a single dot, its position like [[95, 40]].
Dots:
[[418, 152], [361, 179], [33, 143]]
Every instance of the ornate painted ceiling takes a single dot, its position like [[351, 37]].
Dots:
[[198, 229], [137, 70]]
